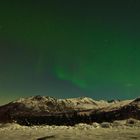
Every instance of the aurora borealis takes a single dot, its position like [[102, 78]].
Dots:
[[69, 48]]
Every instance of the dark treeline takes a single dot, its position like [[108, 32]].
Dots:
[[53, 120]]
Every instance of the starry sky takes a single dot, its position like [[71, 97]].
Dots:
[[69, 48]]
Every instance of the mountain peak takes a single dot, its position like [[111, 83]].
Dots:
[[38, 97]]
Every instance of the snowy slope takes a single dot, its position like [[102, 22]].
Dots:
[[50, 104]]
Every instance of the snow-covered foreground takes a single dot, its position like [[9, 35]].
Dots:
[[78, 132]]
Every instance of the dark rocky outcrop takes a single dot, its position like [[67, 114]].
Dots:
[[47, 137]]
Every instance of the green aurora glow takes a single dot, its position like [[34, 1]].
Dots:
[[70, 49]]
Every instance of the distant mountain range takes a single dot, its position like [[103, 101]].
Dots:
[[39, 110]]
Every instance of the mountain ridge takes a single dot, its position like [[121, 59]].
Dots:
[[49, 110]]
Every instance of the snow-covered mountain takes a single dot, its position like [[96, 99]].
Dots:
[[50, 104], [64, 110], [123, 110]]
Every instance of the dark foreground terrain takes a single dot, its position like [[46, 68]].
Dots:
[[118, 130]]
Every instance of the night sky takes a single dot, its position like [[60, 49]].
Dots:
[[69, 48]]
